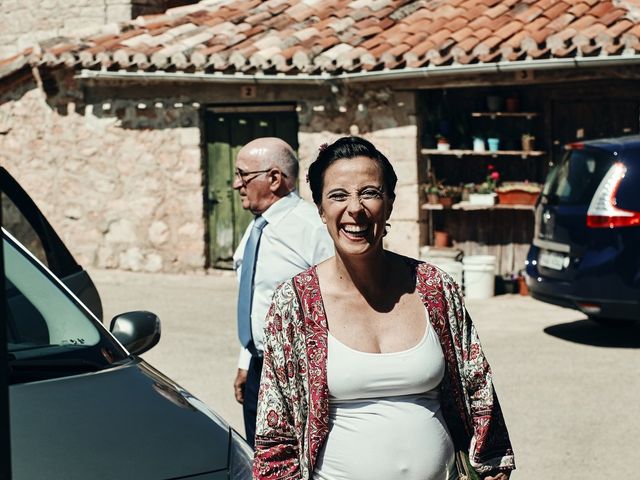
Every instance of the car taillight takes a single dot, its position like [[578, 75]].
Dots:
[[603, 212]]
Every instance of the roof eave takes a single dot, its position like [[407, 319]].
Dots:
[[378, 75]]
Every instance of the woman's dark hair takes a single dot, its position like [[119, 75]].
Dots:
[[345, 148]]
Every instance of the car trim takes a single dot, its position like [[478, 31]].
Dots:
[[52, 276], [549, 245]]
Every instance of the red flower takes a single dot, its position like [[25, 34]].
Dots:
[[495, 176], [272, 419], [490, 167]]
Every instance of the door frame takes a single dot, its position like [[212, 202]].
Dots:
[[233, 109]]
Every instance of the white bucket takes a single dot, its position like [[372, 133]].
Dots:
[[452, 267], [479, 276]]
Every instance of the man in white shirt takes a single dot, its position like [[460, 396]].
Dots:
[[292, 239]]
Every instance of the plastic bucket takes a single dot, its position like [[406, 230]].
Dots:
[[452, 267], [479, 276]]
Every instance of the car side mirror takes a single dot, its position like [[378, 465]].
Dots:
[[137, 331]]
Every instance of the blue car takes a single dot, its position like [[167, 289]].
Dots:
[[586, 248]]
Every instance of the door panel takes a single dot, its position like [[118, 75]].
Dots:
[[242, 132], [226, 133]]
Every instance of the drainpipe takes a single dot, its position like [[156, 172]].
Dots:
[[380, 75]]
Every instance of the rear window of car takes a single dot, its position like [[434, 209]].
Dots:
[[575, 179]]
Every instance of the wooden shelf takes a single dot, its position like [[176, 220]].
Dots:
[[527, 115], [462, 153], [431, 206], [470, 206]]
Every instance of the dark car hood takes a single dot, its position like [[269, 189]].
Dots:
[[124, 422]]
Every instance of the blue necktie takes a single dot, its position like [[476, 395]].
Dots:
[[245, 295]]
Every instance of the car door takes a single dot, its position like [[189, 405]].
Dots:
[[23, 219]]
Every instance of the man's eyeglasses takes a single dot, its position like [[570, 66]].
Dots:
[[242, 175]]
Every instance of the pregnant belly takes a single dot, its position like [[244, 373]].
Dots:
[[386, 439]]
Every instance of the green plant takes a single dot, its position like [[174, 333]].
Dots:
[[491, 181], [433, 186]]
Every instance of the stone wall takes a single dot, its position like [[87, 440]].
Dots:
[[120, 181], [27, 21], [387, 119], [119, 172]]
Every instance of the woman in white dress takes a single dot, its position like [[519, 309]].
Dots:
[[372, 366]]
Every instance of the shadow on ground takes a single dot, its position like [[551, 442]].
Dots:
[[588, 332]]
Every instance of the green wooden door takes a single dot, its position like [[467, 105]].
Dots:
[[225, 134]]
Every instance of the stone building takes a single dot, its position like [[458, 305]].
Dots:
[[25, 23], [126, 137]]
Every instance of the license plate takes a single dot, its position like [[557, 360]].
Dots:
[[552, 260]]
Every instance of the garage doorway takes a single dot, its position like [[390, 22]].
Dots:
[[227, 129], [576, 120]]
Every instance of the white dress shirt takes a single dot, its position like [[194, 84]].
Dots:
[[293, 240]]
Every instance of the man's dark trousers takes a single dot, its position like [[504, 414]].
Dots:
[[250, 403]]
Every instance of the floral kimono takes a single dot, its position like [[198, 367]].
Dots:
[[293, 403]]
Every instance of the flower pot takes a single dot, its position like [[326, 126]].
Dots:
[[443, 146], [522, 286], [494, 103], [482, 198], [478, 145], [494, 144], [527, 143], [512, 104], [446, 202], [433, 198], [440, 239], [517, 197]]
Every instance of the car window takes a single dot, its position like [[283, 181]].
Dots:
[[49, 333], [17, 224], [576, 178]]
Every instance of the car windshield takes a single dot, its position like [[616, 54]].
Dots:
[[576, 178], [49, 332]]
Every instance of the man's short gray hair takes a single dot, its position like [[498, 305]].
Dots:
[[286, 160]]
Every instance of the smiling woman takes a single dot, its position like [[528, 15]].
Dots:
[[362, 352]]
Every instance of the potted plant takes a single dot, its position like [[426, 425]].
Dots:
[[485, 192], [519, 193], [449, 194], [432, 188], [442, 143], [478, 144], [527, 142], [432, 191], [466, 190]]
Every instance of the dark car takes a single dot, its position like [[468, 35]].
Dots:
[[82, 403], [586, 247]]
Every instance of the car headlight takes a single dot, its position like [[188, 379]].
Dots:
[[240, 458]]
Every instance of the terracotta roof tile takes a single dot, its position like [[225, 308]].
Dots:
[[579, 9], [561, 21], [508, 30], [468, 44], [620, 27], [529, 15], [556, 9], [612, 17], [474, 11], [311, 36], [462, 34], [583, 22], [515, 40], [496, 11]]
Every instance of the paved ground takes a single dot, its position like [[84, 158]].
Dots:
[[569, 388]]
